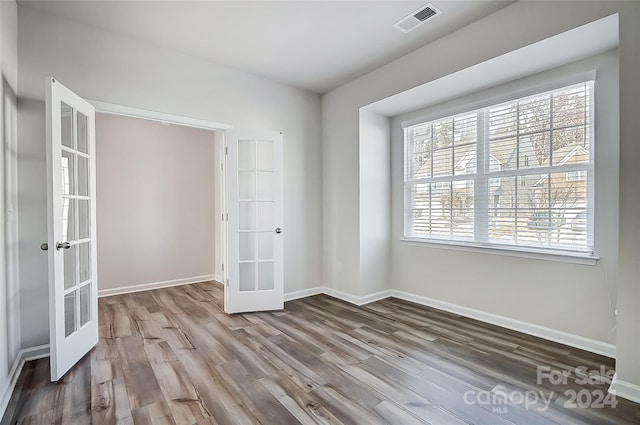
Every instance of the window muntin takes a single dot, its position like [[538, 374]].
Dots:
[[517, 173]]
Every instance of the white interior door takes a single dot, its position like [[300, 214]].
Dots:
[[255, 245], [71, 192]]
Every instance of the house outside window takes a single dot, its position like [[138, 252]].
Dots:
[[576, 175], [518, 173]]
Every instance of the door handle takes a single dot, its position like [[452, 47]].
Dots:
[[62, 245], [278, 230]]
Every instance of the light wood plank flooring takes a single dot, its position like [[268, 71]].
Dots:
[[171, 356]]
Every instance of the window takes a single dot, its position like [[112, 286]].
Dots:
[[576, 175], [518, 173]]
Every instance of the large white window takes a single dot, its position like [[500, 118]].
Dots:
[[519, 173]]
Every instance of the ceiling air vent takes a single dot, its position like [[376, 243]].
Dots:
[[417, 18]]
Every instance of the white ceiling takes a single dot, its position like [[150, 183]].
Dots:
[[314, 45]]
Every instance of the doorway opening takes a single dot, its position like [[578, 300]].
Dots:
[[160, 200]]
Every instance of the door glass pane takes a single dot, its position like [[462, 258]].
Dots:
[[84, 218], [265, 185], [247, 215], [66, 127], [82, 134], [69, 267], [84, 261], [85, 304], [247, 154], [68, 176], [83, 176], [247, 244], [69, 313], [265, 276], [265, 155], [265, 215], [265, 246], [247, 276], [247, 185], [68, 219]]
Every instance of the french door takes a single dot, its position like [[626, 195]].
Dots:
[[71, 210], [255, 239]]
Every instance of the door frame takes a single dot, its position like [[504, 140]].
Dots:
[[127, 111]]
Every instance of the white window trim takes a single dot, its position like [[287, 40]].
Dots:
[[550, 254], [573, 257]]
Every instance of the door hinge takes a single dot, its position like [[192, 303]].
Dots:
[[226, 150], [223, 267], [227, 283], [222, 216], [227, 216], [221, 167]]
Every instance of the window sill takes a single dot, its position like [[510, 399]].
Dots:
[[536, 254]]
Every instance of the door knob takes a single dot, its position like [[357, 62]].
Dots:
[[63, 245], [278, 230]]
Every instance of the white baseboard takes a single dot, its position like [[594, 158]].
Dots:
[[344, 296], [376, 296], [216, 278], [625, 389], [154, 285], [23, 356], [353, 299], [304, 293], [598, 347]]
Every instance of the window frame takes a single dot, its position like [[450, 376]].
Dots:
[[482, 197]]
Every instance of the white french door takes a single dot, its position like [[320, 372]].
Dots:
[[71, 209], [255, 240]]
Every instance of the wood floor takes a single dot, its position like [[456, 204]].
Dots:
[[171, 356]]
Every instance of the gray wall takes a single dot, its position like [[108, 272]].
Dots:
[[510, 28], [9, 289], [103, 66], [375, 192], [156, 188]]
